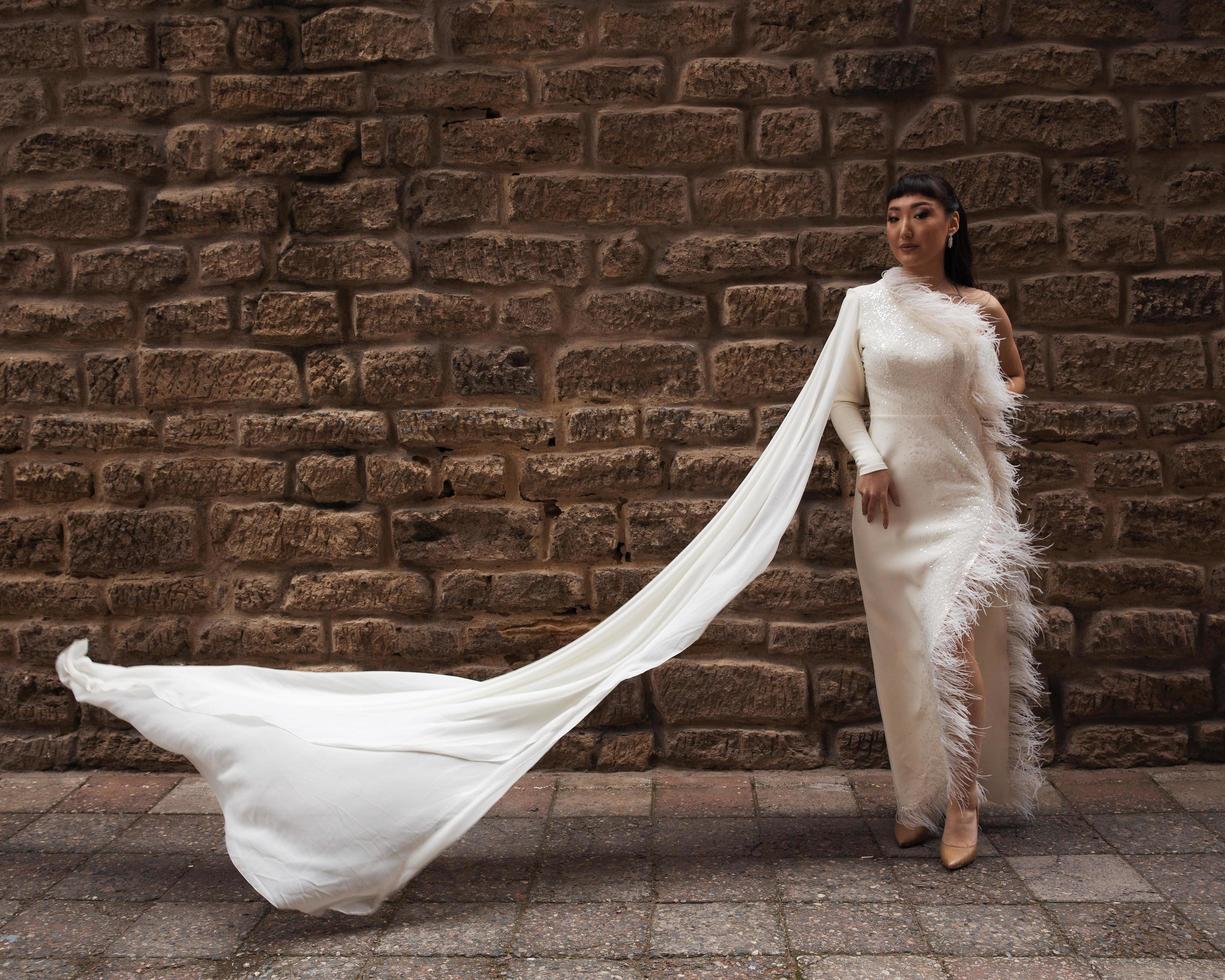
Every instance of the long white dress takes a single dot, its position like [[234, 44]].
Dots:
[[337, 788]]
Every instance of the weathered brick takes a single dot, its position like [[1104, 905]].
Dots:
[[1191, 525], [467, 532], [186, 319], [1064, 298], [1095, 20], [474, 476], [111, 43], [190, 43], [755, 369], [632, 369], [1064, 124], [584, 533], [498, 259], [69, 211], [400, 375], [470, 426], [1093, 363], [547, 476], [232, 261], [355, 261], [365, 35], [940, 123], [216, 209], [514, 140], [617, 199], [669, 138], [394, 478], [173, 377], [694, 26], [49, 319], [38, 45], [199, 476], [23, 102], [493, 371], [292, 533], [291, 317], [482, 28], [105, 542], [748, 80], [145, 97], [1111, 236], [1059, 67], [261, 43], [316, 146], [883, 72], [689, 691], [367, 204], [129, 268], [417, 312], [251, 95], [631, 80], [451, 87]]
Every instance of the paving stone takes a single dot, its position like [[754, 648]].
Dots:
[[802, 795], [1056, 834], [591, 837], [874, 791], [29, 874], [1184, 877], [853, 927], [538, 968], [899, 966], [10, 823], [580, 795], [882, 832], [1111, 790], [76, 832], [36, 791], [612, 930], [118, 792], [432, 968], [55, 927], [310, 968], [142, 968], [1209, 919], [206, 929], [1155, 833], [499, 839], [846, 837], [716, 928], [1016, 930], [804, 879], [52, 969], [593, 879], [449, 929], [1193, 788], [131, 877], [290, 933], [680, 794], [1018, 968], [1147, 929], [712, 879], [990, 880], [531, 796], [166, 833], [211, 878], [1154, 969], [465, 879], [1083, 878], [190, 795], [1214, 820], [717, 968], [707, 837]]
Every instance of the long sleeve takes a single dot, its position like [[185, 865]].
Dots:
[[850, 394]]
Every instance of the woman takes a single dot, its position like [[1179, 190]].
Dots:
[[944, 570], [337, 788]]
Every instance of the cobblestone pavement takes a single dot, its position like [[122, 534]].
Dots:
[[666, 874]]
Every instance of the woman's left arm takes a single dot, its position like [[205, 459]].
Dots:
[[1010, 357]]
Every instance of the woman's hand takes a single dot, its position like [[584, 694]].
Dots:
[[876, 490]]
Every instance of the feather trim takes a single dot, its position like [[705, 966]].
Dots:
[[999, 568]]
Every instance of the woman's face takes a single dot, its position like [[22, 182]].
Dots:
[[918, 229]]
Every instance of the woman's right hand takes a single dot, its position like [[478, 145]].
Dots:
[[875, 491]]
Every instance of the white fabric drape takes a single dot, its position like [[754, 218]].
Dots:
[[337, 788]]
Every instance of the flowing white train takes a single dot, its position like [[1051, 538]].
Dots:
[[337, 788]]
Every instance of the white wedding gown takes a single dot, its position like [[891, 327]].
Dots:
[[337, 788]]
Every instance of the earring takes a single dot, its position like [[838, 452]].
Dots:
[[951, 239]]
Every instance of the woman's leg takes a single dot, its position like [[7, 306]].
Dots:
[[960, 824]]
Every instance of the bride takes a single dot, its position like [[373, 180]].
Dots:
[[337, 788]]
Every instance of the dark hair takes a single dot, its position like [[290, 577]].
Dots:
[[958, 260]]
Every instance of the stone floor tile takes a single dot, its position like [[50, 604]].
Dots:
[[853, 927], [898, 966], [1155, 833], [35, 969], [129, 877], [1194, 788], [448, 929], [1069, 833], [1214, 820], [1208, 918], [602, 795], [191, 794], [10, 823], [211, 878], [466, 879], [874, 790], [288, 933], [598, 879], [727, 878], [1154, 969], [1142, 929], [1184, 877], [1018, 968], [505, 839], [602, 930], [34, 792], [580, 968], [1083, 878], [118, 792], [1111, 790], [573, 838], [837, 880], [989, 880], [717, 968], [168, 833], [432, 968], [704, 795], [981, 930], [147, 967], [55, 927], [76, 832], [308, 968], [212, 930], [706, 837], [845, 837], [28, 874], [803, 796], [717, 929], [530, 796]]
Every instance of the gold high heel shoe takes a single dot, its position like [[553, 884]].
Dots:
[[909, 836], [954, 856]]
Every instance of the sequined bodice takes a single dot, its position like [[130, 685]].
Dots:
[[910, 369]]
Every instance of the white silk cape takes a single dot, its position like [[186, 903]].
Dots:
[[337, 788]]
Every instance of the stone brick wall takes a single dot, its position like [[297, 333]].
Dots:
[[418, 336]]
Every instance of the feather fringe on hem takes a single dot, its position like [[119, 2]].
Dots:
[[1000, 566]]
